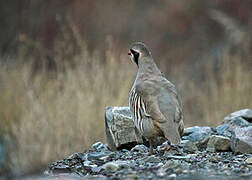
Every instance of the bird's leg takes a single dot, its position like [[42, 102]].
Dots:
[[151, 147]]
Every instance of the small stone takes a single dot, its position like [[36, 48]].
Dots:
[[245, 175], [249, 160], [61, 168], [88, 165], [152, 159], [78, 155], [122, 164], [96, 169], [213, 159], [172, 164], [161, 173], [172, 176], [99, 156], [99, 146], [189, 146], [140, 148], [131, 176], [177, 157], [218, 143], [110, 167]]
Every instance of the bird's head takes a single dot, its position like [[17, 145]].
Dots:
[[137, 51]]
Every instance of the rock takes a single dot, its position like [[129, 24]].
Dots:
[[126, 164], [238, 119], [131, 176], [61, 176], [242, 140], [99, 146], [177, 157], [61, 169], [88, 165], [218, 143], [236, 122], [130, 161], [246, 114], [140, 148], [172, 176], [249, 160], [198, 135], [111, 167], [189, 146], [173, 165], [120, 129], [152, 159], [78, 155], [224, 130], [100, 157], [115, 165]]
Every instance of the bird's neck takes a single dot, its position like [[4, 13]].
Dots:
[[147, 65]]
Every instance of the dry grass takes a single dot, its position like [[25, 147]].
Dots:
[[228, 90], [49, 117], [223, 90]]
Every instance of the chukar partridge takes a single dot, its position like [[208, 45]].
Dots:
[[154, 101]]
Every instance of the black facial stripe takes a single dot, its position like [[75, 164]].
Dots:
[[136, 55]]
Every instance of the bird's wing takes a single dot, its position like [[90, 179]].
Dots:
[[170, 106], [164, 107]]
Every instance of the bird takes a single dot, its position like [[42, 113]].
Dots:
[[153, 100]]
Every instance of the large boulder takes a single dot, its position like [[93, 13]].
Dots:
[[238, 119], [238, 127], [242, 140], [245, 114], [120, 129]]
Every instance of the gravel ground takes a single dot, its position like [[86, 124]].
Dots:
[[100, 162]]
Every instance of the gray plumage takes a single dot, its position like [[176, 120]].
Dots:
[[154, 102]]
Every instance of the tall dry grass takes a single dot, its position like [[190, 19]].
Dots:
[[48, 117], [228, 89], [224, 88]]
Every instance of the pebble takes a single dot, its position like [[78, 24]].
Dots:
[[140, 148], [249, 160], [99, 146], [110, 167], [152, 159], [189, 146]]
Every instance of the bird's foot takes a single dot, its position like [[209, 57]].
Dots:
[[176, 149], [166, 147]]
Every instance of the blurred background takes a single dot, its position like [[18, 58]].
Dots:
[[62, 62]]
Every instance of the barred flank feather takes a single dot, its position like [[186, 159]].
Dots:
[[138, 108]]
